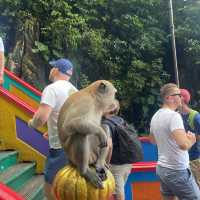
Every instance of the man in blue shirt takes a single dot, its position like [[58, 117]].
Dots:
[[191, 119]]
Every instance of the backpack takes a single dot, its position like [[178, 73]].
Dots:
[[191, 117], [127, 147]]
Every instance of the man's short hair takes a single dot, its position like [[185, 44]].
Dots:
[[167, 90]]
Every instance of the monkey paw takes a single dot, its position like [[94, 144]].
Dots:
[[101, 164], [103, 144], [94, 178], [101, 173]]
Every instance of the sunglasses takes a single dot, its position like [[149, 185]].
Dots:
[[177, 94]]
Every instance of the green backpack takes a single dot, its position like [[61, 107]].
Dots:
[[191, 117]]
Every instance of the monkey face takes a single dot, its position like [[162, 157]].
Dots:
[[106, 89]]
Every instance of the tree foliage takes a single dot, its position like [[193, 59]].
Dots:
[[127, 42], [188, 45]]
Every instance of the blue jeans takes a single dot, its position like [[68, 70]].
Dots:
[[180, 183], [56, 160]]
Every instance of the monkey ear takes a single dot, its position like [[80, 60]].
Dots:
[[102, 87]]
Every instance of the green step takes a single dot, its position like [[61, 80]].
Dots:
[[7, 159], [17, 175], [34, 188], [21, 177]]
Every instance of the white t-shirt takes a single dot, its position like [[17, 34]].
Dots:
[[1, 45], [55, 95], [163, 123]]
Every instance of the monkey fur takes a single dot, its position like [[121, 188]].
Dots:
[[80, 131]]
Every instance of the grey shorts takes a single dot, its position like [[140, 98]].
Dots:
[[179, 183], [120, 173]]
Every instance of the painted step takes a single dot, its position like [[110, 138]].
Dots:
[[7, 159], [34, 188], [17, 175]]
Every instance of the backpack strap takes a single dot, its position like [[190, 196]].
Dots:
[[191, 117], [116, 120], [113, 122], [110, 124]]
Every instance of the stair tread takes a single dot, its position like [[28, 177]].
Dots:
[[11, 171], [32, 186], [4, 154]]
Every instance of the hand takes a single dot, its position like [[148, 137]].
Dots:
[[45, 135], [191, 136], [30, 123]]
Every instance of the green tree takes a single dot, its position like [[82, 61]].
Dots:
[[187, 24], [122, 41]]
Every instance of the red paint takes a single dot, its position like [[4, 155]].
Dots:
[[25, 84], [13, 99], [7, 193], [144, 167], [144, 139]]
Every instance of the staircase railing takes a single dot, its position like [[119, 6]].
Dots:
[[15, 134]]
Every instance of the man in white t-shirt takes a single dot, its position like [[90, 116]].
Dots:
[[53, 97], [1, 60], [167, 131]]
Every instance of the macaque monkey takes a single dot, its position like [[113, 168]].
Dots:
[[80, 131]]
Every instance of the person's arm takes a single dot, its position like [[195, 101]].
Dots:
[[48, 102], [184, 140], [110, 144], [110, 149], [1, 61], [177, 131], [152, 138], [197, 126], [41, 116]]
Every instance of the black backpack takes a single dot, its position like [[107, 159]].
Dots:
[[127, 147]]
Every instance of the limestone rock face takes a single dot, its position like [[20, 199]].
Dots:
[[26, 64]]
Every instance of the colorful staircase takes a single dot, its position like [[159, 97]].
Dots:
[[18, 168], [21, 176]]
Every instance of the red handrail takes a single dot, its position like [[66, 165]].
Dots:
[[25, 84], [7, 193], [12, 98], [144, 167], [144, 139]]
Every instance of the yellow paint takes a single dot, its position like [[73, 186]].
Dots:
[[8, 138], [20, 94]]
